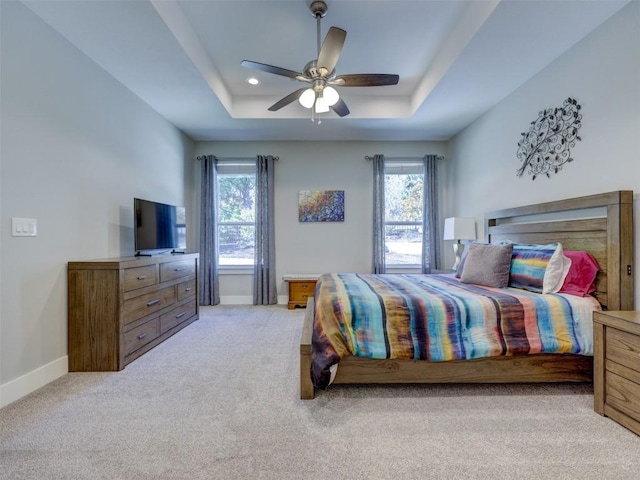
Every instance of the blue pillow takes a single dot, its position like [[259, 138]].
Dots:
[[529, 264], [538, 268]]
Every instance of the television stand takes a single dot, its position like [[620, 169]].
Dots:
[[119, 309]]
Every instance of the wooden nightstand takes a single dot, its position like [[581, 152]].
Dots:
[[301, 288], [616, 370]]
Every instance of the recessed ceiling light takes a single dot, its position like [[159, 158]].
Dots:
[[253, 81]]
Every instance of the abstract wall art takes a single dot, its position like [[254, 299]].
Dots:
[[321, 206]]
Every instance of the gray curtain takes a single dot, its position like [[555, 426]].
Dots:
[[379, 264], [208, 288], [430, 216], [264, 275]]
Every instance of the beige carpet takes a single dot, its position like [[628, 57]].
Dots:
[[220, 401]]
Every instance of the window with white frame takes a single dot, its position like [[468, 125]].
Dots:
[[403, 195], [236, 213]]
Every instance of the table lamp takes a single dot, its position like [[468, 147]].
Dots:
[[459, 228]]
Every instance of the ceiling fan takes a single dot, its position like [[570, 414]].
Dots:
[[320, 96]]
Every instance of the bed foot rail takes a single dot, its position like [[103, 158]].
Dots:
[[307, 391]]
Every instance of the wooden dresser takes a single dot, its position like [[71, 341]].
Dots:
[[616, 377], [120, 308]]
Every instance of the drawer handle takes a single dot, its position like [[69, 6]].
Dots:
[[181, 314], [153, 302], [177, 269], [142, 277], [141, 336], [188, 289]]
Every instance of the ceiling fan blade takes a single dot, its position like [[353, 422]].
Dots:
[[331, 49], [263, 67], [365, 80], [292, 97], [340, 108]]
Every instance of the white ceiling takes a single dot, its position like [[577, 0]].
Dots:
[[456, 59]]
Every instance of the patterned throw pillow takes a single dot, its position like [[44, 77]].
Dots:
[[538, 268]]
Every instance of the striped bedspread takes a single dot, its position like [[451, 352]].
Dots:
[[439, 318]]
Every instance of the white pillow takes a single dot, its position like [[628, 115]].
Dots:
[[556, 271]]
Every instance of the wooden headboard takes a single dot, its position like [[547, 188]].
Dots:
[[599, 224]]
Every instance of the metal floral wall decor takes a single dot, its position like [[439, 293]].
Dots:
[[545, 148]]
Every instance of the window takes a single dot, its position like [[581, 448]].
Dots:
[[236, 213], [403, 193]]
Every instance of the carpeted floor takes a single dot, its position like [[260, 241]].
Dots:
[[220, 400]]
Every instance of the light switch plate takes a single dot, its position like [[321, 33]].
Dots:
[[24, 227]]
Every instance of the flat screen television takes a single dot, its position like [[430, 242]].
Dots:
[[159, 226]]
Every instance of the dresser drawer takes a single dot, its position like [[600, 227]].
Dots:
[[137, 307], [141, 335], [177, 269], [186, 289], [177, 316], [300, 289], [300, 297], [623, 348], [623, 394], [139, 277]]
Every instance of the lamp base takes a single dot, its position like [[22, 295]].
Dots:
[[458, 248]]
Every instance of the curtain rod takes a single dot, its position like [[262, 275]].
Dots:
[[232, 159], [439, 157]]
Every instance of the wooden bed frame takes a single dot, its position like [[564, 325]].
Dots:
[[600, 224]]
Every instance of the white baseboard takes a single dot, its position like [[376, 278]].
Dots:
[[32, 381], [236, 300], [247, 300]]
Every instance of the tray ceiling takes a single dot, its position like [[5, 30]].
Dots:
[[456, 59]]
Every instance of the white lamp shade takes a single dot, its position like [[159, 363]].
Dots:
[[321, 105], [330, 95], [307, 98], [459, 228]]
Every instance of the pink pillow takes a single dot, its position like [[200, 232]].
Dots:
[[581, 278]]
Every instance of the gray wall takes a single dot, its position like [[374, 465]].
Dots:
[[318, 247], [76, 148], [603, 73]]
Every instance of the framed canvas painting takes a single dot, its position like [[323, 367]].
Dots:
[[321, 206]]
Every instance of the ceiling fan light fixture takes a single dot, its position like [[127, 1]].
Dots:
[[330, 94], [321, 104], [320, 73], [307, 98]]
